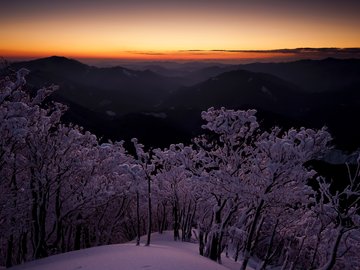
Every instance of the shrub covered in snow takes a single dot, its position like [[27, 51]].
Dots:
[[239, 189]]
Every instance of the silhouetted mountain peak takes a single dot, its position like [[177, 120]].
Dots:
[[236, 89], [303, 93], [329, 74], [60, 63], [56, 58], [330, 59]]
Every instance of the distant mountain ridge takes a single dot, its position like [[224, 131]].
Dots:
[[120, 103], [237, 89], [329, 74], [279, 101], [116, 89]]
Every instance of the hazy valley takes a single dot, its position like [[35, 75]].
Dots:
[[121, 103]]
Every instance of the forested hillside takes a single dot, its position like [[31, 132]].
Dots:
[[119, 103], [249, 190]]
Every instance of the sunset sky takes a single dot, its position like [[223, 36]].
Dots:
[[169, 29]]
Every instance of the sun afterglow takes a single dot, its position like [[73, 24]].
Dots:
[[168, 30]]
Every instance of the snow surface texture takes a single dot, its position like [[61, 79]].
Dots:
[[163, 254]]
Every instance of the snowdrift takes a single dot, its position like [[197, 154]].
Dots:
[[162, 254]]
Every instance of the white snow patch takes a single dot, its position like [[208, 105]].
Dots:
[[110, 113], [163, 254]]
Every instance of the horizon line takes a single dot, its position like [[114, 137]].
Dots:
[[215, 55], [329, 49]]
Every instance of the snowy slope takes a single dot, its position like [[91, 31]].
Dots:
[[163, 254]]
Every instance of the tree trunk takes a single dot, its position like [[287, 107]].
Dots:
[[149, 213], [236, 257], [68, 246], [163, 221], [22, 248], [332, 260], [58, 222], [214, 244], [270, 246], [9, 251], [201, 241], [77, 241], [39, 193], [137, 218], [189, 224], [249, 244], [186, 224], [222, 229], [294, 262], [42, 251], [87, 242], [176, 221], [318, 239]]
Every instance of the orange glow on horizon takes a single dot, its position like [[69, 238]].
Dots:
[[163, 29], [151, 55]]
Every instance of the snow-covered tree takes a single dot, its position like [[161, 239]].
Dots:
[[20, 117], [246, 189], [175, 185], [143, 159], [54, 177], [278, 176], [224, 159], [339, 209], [250, 173]]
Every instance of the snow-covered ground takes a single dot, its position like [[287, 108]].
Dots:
[[163, 254]]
